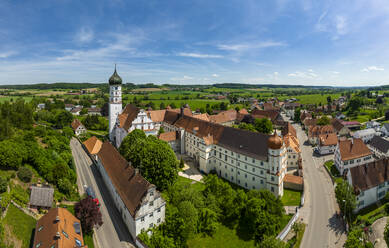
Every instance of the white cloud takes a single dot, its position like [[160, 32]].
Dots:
[[247, 46], [335, 72], [372, 68], [308, 74], [215, 75], [200, 55], [4, 55], [85, 35], [181, 79]]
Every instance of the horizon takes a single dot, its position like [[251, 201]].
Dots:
[[280, 42]]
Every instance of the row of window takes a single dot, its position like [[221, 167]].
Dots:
[[142, 219]]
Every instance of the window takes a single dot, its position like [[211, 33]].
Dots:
[[151, 215], [362, 194], [351, 161], [261, 163], [381, 185], [261, 172], [232, 169], [381, 194], [225, 166], [232, 178], [261, 181], [225, 174], [245, 166], [238, 156], [238, 181], [151, 193], [272, 179], [65, 234], [40, 228], [151, 225], [245, 158], [238, 172], [253, 160], [245, 175], [151, 203], [158, 210], [225, 157], [245, 184], [253, 178], [239, 165], [361, 203], [142, 219], [158, 220], [253, 169]]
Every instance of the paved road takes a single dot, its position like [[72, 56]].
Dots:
[[323, 229], [113, 233]]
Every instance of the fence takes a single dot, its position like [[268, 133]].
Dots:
[[285, 231]]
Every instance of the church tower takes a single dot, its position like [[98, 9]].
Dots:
[[115, 101]]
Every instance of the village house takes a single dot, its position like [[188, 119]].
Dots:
[[304, 115], [76, 110], [366, 134], [373, 124], [226, 118], [379, 146], [172, 138], [340, 129], [315, 131], [138, 201], [94, 111], [93, 146], [41, 197], [292, 146], [41, 106], [308, 122], [327, 143], [350, 153], [58, 228], [385, 129], [370, 182], [69, 107], [352, 125], [77, 127]]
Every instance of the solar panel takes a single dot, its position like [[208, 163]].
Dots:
[[77, 228]]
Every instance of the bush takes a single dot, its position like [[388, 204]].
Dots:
[[3, 184], [19, 195], [25, 174]]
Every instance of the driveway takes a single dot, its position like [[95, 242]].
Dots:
[[377, 237], [108, 235], [319, 210]]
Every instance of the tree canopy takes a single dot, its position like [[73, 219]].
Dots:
[[153, 157], [346, 198], [88, 213], [263, 125]]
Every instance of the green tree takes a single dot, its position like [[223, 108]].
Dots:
[[346, 198], [182, 164], [208, 221], [161, 130], [3, 184], [63, 118], [162, 105], [324, 120], [190, 216], [297, 113], [9, 155], [25, 174], [246, 126], [263, 125], [271, 242], [65, 186], [157, 239], [354, 239], [386, 234]]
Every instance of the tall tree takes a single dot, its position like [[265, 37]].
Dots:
[[263, 125], [346, 198], [88, 213]]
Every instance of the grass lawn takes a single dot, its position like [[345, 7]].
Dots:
[[223, 238], [20, 226], [291, 197], [332, 168], [88, 240], [196, 185]]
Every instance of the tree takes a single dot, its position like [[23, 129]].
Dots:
[[154, 158], [324, 120], [271, 242], [297, 113], [25, 174], [65, 186], [386, 234], [63, 118], [161, 130], [189, 214], [182, 164], [88, 213], [263, 125], [354, 239], [346, 198], [207, 221], [9, 155], [157, 239], [162, 105], [246, 126], [3, 184]]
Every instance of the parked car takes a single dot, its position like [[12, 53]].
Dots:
[[91, 193]]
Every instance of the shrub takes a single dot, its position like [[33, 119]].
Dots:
[[25, 174], [3, 184]]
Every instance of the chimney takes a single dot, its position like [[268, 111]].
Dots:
[[57, 235], [57, 219], [182, 111], [195, 130], [136, 171]]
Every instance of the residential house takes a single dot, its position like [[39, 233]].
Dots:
[[41, 106], [373, 124], [69, 107], [315, 131], [385, 129], [293, 151], [350, 153], [340, 116], [58, 228], [94, 111], [308, 122], [76, 110], [78, 128], [379, 146], [370, 181], [366, 134], [352, 125], [304, 115], [93, 146], [273, 115], [140, 204], [225, 118], [294, 182], [327, 143], [340, 129], [41, 197]]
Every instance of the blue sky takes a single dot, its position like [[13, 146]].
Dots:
[[322, 42]]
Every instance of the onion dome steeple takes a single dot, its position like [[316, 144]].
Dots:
[[115, 78], [274, 142]]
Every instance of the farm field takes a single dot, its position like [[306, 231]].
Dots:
[[14, 98], [313, 98]]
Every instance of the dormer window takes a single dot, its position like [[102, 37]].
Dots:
[[151, 193]]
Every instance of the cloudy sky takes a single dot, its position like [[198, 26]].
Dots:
[[321, 42]]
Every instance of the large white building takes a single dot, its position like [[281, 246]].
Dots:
[[370, 182], [138, 201], [351, 153], [251, 160]]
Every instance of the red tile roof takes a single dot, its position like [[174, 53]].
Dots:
[[168, 136], [93, 145], [75, 124], [370, 175], [353, 148]]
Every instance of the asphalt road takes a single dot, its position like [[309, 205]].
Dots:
[[324, 229], [113, 232]]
